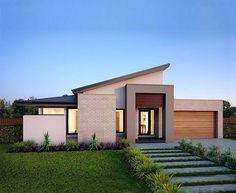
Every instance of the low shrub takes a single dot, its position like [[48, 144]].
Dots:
[[157, 180], [161, 183], [226, 158], [151, 173], [214, 154], [231, 162], [147, 168], [170, 188], [60, 147], [11, 133], [109, 146], [83, 146], [136, 158], [123, 143], [226, 155], [230, 130], [71, 145], [200, 150], [23, 146], [186, 145]]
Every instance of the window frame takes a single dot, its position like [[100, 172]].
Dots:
[[52, 108], [123, 121], [67, 121]]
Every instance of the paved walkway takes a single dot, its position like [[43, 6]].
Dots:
[[222, 143], [195, 174]]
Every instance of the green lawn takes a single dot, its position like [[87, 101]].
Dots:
[[71, 172]]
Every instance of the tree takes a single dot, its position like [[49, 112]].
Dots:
[[5, 109], [8, 110], [19, 111], [228, 110]]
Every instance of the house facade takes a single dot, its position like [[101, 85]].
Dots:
[[137, 106]]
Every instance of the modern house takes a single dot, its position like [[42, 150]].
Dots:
[[137, 106]]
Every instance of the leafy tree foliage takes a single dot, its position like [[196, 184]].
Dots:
[[228, 110], [8, 110], [5, 108]]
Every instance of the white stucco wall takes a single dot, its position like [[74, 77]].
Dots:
[[152, 78], [34, 127], [202, 105]]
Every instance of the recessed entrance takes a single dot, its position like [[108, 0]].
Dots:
[[150, 124], [144, 122]]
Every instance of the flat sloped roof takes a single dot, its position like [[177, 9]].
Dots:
[[60, 100], [121, 78]]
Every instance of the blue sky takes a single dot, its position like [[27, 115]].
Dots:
[[48, 48]]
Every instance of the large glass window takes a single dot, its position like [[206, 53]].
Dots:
[[53, 111], [120, 121], [72, 121]]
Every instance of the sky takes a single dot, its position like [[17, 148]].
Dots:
[[48, 48]]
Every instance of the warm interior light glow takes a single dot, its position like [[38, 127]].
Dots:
[[119, 120], [72, 120], [53, 111], [144, 122]]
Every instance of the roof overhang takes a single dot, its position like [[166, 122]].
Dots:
[[121, 78], [62, 101]]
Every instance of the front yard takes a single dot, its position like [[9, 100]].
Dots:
[[52, 172]]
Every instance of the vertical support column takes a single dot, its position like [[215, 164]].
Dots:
[[131, 116], [160, 123], [169, 114]]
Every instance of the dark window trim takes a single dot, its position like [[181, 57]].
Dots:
[[123, 121], [67, 121]]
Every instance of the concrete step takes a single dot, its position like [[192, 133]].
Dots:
[[176, 158], [198, 169], [211, 178], [210, 188], [180, 163], [168, 154]]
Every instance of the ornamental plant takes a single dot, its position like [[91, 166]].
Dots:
[[93, 144], [46, 142]]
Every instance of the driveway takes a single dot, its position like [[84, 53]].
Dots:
[[222, 143]]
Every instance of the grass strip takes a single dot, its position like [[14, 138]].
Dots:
[[225, 191], [190, 166], [182, 155], [158, 149], [150, 152], [204, 173], [208, 183], [179, 160]]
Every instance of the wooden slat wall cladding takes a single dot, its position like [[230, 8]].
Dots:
[[149, 100], [194, 124]]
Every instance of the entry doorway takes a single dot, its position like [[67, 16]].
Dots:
[[144, 122], [149, 123]]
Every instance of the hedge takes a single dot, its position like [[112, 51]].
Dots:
[[11, 133], [230, 130]]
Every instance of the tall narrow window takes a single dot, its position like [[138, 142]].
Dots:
[[120, 121], [72, 121]]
